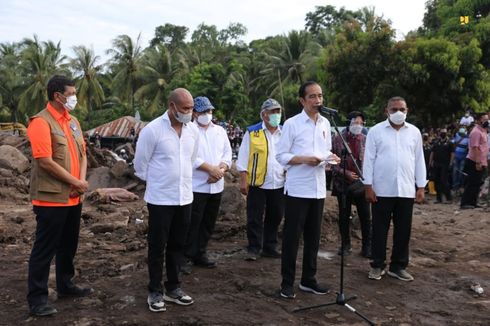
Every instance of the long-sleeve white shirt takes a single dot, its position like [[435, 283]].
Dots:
[[165, 160], [301, 136], [394, 160], [214, 148], [274, 177]]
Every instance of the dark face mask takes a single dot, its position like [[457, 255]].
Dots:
[[485, 124], [443, 135], [426, 138]]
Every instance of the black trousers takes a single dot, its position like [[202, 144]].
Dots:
[[473, 182], [400, 209], [441, 181], [57, 232], [205, 208], [262, 231], [303, 217], [363, 210], [167, 231]]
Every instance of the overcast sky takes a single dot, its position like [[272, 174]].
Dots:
[[94, 23]]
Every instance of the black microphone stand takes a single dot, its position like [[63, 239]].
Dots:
[[341, 299]]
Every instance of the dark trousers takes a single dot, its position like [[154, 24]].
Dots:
[[303, 217], [383, 211], [441, 181], [262, 231], [473, 182], [205, 208], [167, 230], [57, 233], [363, 210]]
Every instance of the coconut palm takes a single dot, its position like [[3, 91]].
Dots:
[[126, 56], [89, 89]]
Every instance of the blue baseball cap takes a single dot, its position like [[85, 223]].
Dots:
[[270, 104], [202, 104]]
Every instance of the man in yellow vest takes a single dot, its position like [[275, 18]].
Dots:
[[58, 180], [262, 181]]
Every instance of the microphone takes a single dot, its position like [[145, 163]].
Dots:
[[324, 109]]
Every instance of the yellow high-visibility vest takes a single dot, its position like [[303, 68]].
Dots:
[[258, 153]]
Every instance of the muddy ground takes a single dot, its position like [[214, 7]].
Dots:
[[450, 252]]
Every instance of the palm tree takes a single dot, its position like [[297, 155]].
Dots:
[[89, 89], [125, 65], [11, 83], [42, 59], [290, 62], [156, 72]]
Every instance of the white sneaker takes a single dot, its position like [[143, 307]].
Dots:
[[155, 302]]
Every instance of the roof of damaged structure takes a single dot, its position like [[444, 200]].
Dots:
[[118, 128]]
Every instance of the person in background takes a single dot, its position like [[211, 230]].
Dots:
[[476, 162], [460, 143], [262, 181], [304, 150], [165, 153], [442, 154], [357, 141], [58, 180], [213, 160], [394, 176], [467, 120]]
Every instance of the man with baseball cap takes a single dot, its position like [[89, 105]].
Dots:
[[213, 159], [262, 181]]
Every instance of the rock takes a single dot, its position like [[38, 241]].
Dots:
[[111, 222], [13, 159], [119, 169]]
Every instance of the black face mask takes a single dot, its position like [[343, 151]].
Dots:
[[443, 135], [426, 138], [485, 124]]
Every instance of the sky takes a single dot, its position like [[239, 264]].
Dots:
[[95, 23]]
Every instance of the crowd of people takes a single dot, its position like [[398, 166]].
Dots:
[[183, 157]]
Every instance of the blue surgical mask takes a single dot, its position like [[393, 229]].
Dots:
[[275, 119]]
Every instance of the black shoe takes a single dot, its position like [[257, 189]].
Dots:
[[43, 310], [271, 254], [204, 262], [75, 291], [287, 292], [314, 288]]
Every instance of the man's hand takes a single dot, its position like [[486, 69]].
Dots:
[[419, 196], [370, 194], [244, 187], [216, 172], [334, 157], [478, 166], [351, 176], [80, 186]]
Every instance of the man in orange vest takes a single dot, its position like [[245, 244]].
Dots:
[[58, 181]]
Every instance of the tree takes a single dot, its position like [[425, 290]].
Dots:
[[172, 36], [126, 55], [86, 72], [328, 18]]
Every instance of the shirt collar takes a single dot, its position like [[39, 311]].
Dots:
[[265, 128], [306, 118], [387, 123], [56, 115]]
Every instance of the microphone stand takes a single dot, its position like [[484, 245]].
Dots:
[[341, 299]]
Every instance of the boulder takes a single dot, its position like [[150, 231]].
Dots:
[[13, 159]]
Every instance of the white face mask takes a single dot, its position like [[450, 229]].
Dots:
[[71, 102], [398, 117], [183, 118], [205, 119], [355, 129]]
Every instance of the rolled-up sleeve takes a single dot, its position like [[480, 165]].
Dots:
[[369, 157], [243, 152], [283, 153], [144, 151]]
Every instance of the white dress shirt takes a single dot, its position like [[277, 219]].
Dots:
[[165, 160], [274, 177], [301, 136], [214, 148], [394, 160]]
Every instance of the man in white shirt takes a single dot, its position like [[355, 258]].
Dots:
[[304, 149], [213, 160], [165, 153], [467, 119], [262, 181], [394, 167]]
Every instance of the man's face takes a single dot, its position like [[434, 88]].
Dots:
[[483, 119], [69, 91], [267, 113], [395, 106], [313, 98], [185, 105]]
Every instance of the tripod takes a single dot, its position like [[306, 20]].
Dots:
[[341, 299]]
